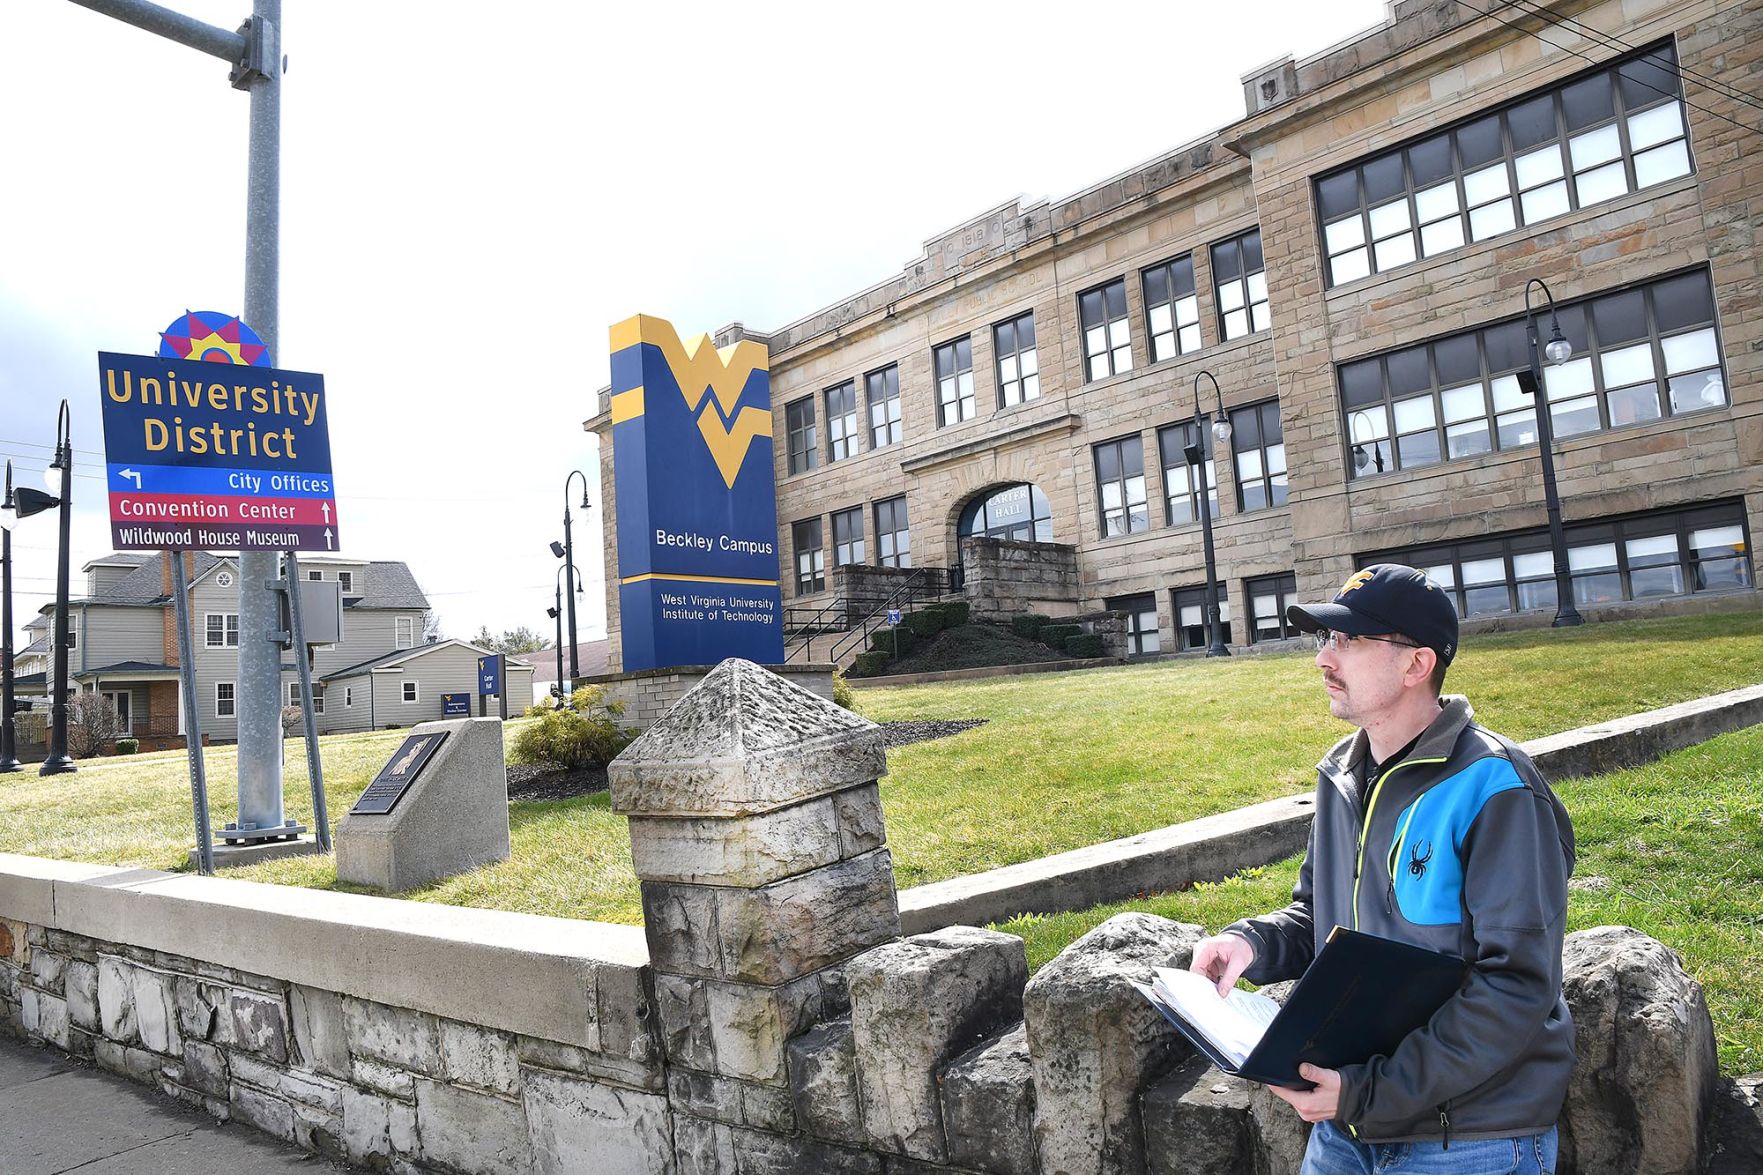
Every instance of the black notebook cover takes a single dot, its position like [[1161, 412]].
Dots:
[[1360, 998]]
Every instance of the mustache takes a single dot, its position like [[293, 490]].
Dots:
[[1331, 679]]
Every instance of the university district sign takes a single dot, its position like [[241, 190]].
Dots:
[[697, 499], [215, 456]]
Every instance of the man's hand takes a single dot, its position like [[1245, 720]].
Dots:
[[1222, 958], [1313, 1105]]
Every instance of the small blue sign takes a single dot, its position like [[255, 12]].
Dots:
[[456, 705], [893, 616], [489, 674]]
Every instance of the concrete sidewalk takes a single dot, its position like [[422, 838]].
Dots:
[[61, 1115]]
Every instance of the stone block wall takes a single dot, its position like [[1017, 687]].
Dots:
[[1004, 578]]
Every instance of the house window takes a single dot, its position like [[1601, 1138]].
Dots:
[[348, 696], [848, 537], [841, 421], [120, 702], [315, 576], [1019, 371], [73, 638], [1172, 311], [1268, 597], [799, 423], [223, 699], [1120, 487], [317, 698], [347, 580], [1141, 622], [810, 557], [954, 370], [221, 630], [1238, 273], [1260, 453], [1638, 355], [883, 391], [412, 691], [1181, 502], [1603, 134], [1190, 617], [404, 632], [893, 539], [293, 693], [1637, 557], [1107, 340]]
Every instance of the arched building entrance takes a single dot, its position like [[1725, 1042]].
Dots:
[[1018, 511]]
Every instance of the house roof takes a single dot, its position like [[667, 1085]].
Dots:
[[592, 657], [387, 584], [40, 645], [388, 660], [123, 668]]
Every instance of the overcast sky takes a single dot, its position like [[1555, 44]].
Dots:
[[472, 194]]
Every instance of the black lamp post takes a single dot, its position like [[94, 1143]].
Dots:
[[556, 613], [59, 760], [1196, 455], [567, 554], [8, 744], [1558, 350]]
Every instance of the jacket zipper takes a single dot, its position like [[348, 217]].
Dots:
[[1445, 1121], [1365, 830], [1389, 893]]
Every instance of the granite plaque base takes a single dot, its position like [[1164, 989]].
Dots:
[[450, 816]]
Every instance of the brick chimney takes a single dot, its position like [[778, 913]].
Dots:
[[168, 614]]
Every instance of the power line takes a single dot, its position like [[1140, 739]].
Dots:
[[1611, 40], [1594, 61]]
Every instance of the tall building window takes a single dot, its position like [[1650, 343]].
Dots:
[[404, 631], [1019, 512], [893, 539], [1268, 596], [1259, 446], [1664, 553], [810, 557], [1172, 311], [1019, 371], [954, 369], [841, 421], [1141, 622], [1601, 135], [799, 422], [1190, 617], [1120, 487], [1107, 338], [1239, 274], [1181, 502], [1638, 354], [848, 537], [883, 391], [221, 630]]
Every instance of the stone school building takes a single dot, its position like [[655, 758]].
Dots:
[[1349, 263]]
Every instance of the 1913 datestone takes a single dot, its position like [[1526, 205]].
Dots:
[[446, 788], [757, 836]]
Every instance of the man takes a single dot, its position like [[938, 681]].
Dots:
[[1431, 830]]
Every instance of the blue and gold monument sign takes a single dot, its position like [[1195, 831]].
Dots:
[[697, 499]]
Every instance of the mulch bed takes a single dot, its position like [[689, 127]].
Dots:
[[528, 781]]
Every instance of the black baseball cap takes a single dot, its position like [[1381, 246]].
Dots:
[[1387, 599]]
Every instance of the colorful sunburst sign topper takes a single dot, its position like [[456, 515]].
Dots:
[[213, 337]]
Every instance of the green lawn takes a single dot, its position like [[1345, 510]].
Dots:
[[1066, 760], [1674, 849]]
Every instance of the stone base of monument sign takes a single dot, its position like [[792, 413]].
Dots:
[[438, 807]]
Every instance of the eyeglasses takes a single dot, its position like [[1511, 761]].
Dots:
[[1339, 641]]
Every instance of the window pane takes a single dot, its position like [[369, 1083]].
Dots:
[[1652, 127], [1634, 405], [1683, 301], [1389, 218], [1533, 564], [1648, 79], [1538, 167], [1536, 595], [1383, 177], [1652, 550], [1507, 346], [1344, 234], [1230, 297], [1362, 382], [1350, 266], [1486, 600], [1480, 141], [1421, 448], [1414, 415], [1589, 101], [1604, 183], [1597, 589], [1370, 425], [1715, 541], [1572, 417], [1721, 574], [1395, 251], [1458, 359], [1543, 203], [1338, 194], [1464, 403], [1484, 571], [1490, 220], [1507, 395], [1690, 352], [1517, 429], [1701, 389], [1627, 365], [1435, 202], [1656, 581], [1441, 235], [1467, 440], [1596, 557], [1594, 147], [1532, 122], [1661, 164], [1409, 371], [1487, 184], [1430, 160], [1570, 379], [1236, 324]]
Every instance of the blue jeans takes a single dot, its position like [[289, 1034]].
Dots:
[[1332, 1151]]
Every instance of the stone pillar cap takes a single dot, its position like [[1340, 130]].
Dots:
[[742, 741]]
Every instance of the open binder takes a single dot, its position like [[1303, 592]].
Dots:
[[1361, 996]]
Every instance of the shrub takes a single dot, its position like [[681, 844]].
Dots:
[[843, 694], [1054, 635], [1029, 624], [869, 664], [539, 709], [955, 612], [582, 735], [91, 723], [291, 722], [1084, 644], [127, 746], [882, 640], [925, 622]]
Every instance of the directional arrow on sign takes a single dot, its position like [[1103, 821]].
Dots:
[[130, 473], [327, 538], [327, 511]]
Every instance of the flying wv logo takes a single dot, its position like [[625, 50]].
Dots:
[[710, 380]]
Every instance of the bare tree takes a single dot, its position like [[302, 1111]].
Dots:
[[92, 724]]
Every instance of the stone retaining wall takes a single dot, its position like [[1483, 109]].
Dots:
[[768, 1019], [1003, 578]]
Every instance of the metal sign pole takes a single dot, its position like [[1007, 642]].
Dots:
[[314, 769], [192, 719], [502, 680]]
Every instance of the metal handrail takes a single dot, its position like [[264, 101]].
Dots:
[[910, 591]]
